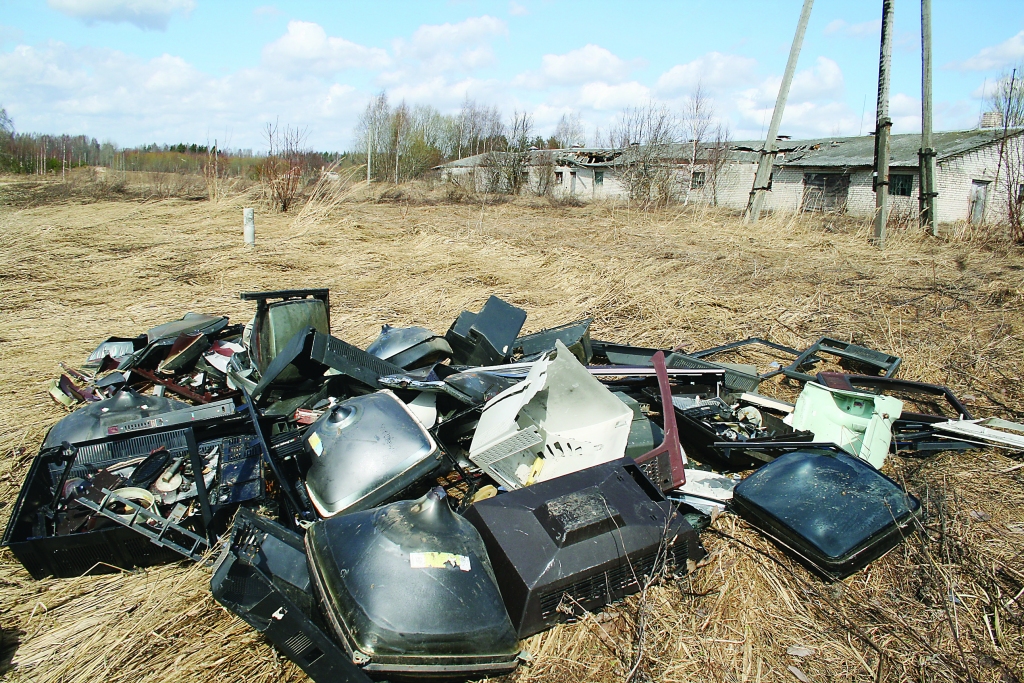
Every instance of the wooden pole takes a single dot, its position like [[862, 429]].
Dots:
[[764, 165], [926, 157], [883, 124]]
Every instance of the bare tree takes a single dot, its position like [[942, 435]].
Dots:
[[1008, 101], [281, 171], [544, 173], [371, 133], [400, 119], [1008, 98], [508, 164], [698, 115], [569, 132], [717, 153], [646, 134], [6, 140]]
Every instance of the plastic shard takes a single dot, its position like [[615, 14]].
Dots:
[[409, 347], [581, 424], [485, 338]]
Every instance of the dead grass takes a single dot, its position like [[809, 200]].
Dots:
[[944, 606]]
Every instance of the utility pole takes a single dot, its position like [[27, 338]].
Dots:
[[926, 157], [764, 164], [882, 125]]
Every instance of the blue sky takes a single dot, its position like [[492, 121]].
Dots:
[[138, 71]]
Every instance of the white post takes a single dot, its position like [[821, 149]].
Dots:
[[249, 225]]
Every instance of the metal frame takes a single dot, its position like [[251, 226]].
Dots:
[[199, 544], [751, 341], [886, 363]]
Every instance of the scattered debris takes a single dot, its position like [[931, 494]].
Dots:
[[418, 507]]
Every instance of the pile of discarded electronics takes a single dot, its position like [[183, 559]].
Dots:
[[418, 507]]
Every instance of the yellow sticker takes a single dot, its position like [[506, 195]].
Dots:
[[315, 443], [439, 561]]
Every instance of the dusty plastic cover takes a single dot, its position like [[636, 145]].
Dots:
[[485, 338], [575, 335], [408, 588], [559, 413], [409, 347], [365, 450], [580, 541], [833, 510], [190, 322], [858, 422], [93, 421]]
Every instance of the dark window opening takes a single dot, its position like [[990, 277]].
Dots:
[[825, 192], [558, 177], [900, 185], [599, 177], [697, 180]]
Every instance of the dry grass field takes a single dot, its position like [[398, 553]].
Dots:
[[945, 606]]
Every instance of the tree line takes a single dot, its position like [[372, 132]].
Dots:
[[40, 154]]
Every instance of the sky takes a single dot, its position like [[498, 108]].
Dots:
[[168, 71]]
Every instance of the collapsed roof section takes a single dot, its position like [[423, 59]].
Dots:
[[832, 152]]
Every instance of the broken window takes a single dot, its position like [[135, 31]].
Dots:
[[901, 184], [558, 177], [825, 192], [979, 194], [697, 180], [599, 177]]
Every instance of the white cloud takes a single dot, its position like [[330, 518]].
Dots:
[[146, 14], [713, 70], [435, 48], [866, 29], [9, 34], [264, 11], [517, 10], [823, 82], [987, 88], [444, 94], [993, 57], [430, 40], [306, 47], [604, 96], [588, 64], [905, 112], [813, 108], [107, 94]]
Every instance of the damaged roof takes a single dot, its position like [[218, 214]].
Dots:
[[860, 151], [841, 152]]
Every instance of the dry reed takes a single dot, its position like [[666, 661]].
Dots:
[[945, 606]]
